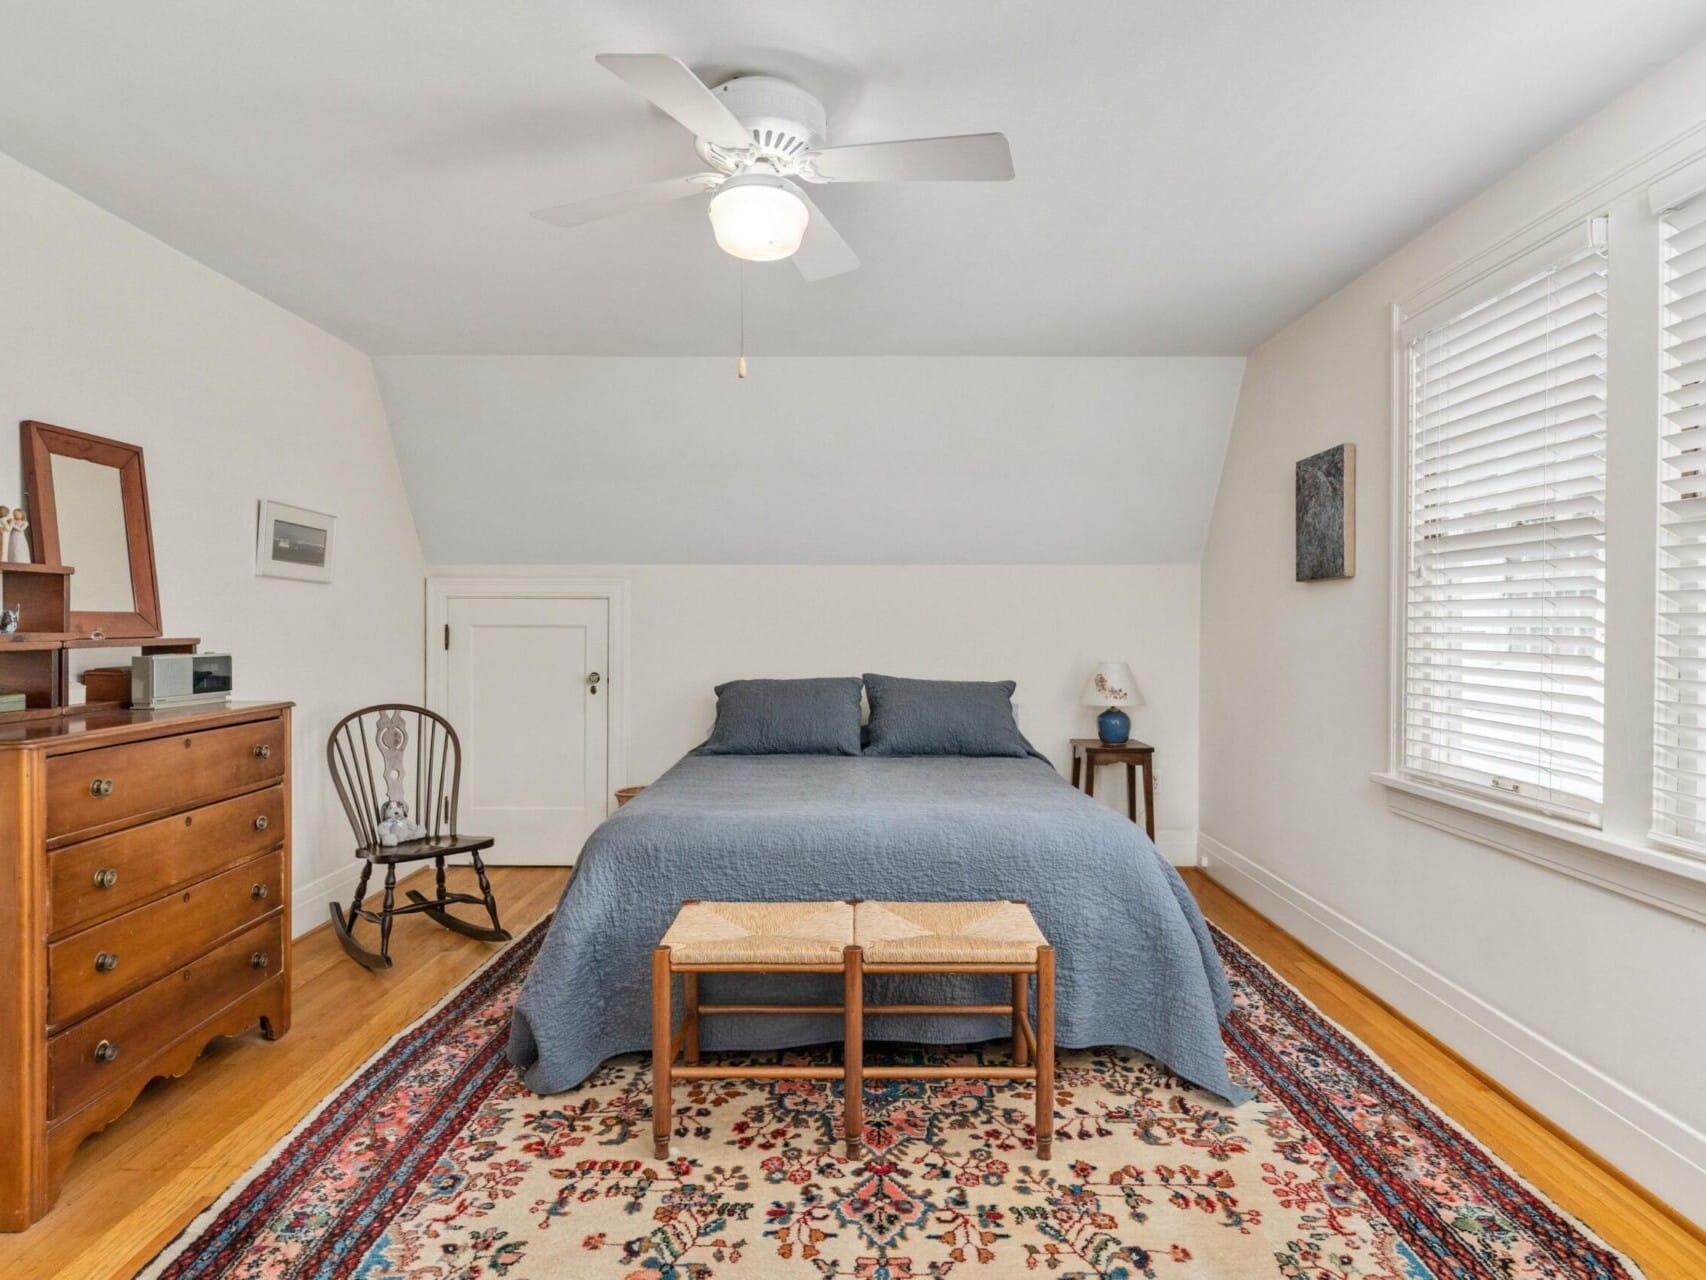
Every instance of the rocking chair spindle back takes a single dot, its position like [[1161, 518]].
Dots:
[[380, 758]]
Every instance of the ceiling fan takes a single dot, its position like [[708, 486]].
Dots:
[[763, 137]]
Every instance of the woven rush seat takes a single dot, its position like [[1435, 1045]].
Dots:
[[947, 933], [852, 939], [760, 933]]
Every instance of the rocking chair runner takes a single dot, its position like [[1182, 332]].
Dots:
[[370, 753]]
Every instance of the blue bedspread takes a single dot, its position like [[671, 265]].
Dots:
[[1135, 964]]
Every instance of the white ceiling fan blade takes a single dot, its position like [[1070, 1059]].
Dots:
[[672, 86], [580, 212], [969, 157], [822, 252]]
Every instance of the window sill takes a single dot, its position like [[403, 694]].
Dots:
[[1669, 881]]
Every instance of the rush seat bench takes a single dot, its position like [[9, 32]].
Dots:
[[852, 939]]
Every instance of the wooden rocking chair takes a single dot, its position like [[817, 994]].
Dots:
[[370, 753]]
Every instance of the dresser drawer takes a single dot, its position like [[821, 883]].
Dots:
[[104, 876], [143, 1024], [96, 967], [89, 789]]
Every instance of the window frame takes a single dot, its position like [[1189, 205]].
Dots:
[[1681, 188], [1623, 857], [1580, 237]]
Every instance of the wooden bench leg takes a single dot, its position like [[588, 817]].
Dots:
[[1045, 1052], [1021, 998], [662, 1034], [853, 1055], [690, 1045]]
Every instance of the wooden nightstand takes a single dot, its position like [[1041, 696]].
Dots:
[[1088, 753]]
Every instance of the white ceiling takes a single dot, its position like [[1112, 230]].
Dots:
[[1190, 175]]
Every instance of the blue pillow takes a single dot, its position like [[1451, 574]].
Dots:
[[942, 718], [786, 718]]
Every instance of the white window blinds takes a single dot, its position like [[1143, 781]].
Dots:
[[1679, 727], [1504, 605]]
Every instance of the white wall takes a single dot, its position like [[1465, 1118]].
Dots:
[[107, 330], [1590, 1005], [902, 460], [692, 626]]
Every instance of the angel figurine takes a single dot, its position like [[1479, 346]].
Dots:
[[17, 542]]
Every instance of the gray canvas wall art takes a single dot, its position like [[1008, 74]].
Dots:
[[1326, 514]]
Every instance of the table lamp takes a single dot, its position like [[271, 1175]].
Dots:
[[1111, 685]]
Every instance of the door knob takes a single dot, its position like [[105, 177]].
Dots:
[[592, 680]]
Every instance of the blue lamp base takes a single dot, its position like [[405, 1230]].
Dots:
[[1114, 726]]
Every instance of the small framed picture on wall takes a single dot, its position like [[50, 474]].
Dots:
[[293, 542]]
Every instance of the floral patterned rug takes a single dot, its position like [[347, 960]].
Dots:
[[435, 1162]]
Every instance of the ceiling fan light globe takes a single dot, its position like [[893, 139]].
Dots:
[[758, 218]]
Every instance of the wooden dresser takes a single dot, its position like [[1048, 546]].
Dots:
[[145, 874]]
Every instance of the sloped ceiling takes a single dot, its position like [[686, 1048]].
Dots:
[[583, 460], [1191, 173]]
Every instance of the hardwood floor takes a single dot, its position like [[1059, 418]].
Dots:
[[1666, 1246], [133, 1187]]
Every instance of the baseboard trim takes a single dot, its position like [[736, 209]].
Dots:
[[1646, 1143]]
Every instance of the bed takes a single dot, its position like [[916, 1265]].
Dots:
[[1136, 965]]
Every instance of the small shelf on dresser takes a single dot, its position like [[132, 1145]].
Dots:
[[41, 593], [36, 664], [35, 641], [148, 644], [32, 658]]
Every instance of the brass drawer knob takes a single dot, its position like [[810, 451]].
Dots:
[[106, 962], [261, 822], [263, 751], [106, 878], [258, 892], [101, 787], [259, 960], [106, 1051]]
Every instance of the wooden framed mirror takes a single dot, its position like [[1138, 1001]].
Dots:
[[88, 508]]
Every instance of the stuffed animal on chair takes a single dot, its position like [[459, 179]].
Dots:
[[395, 825]]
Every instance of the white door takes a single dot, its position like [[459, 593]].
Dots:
[[526, 685]]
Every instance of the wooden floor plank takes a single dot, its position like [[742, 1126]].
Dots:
[[133, 1187]]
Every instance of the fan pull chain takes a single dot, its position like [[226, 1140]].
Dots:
[[740, 364]]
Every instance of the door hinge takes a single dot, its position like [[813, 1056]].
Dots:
[[447, 635]]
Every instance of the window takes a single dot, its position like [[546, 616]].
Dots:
[[1679, 725], [1504, 604]]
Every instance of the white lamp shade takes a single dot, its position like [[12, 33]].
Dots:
[[758, 217], [1111, 684]]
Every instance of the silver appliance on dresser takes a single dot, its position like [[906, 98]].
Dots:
[[179, 679]]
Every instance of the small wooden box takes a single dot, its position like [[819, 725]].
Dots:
[[107, 684]]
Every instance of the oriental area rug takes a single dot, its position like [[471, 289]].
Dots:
[[434, 1162]]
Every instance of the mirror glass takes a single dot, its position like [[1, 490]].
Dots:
[[90, 506]]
